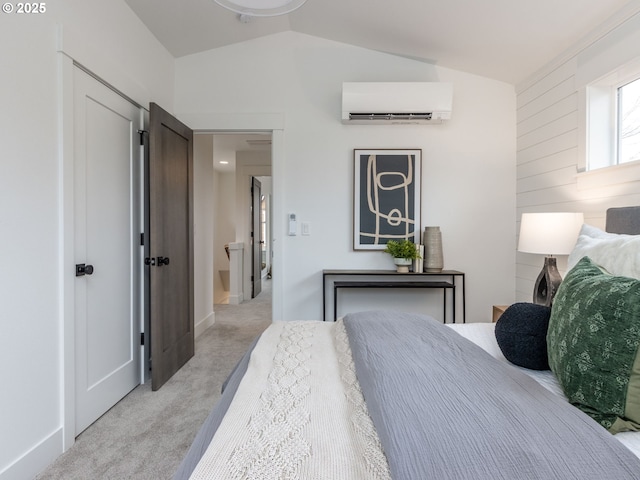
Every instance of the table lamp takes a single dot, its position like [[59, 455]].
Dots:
[[548, 234]]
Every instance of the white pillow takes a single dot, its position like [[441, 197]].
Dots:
[[618, 254]]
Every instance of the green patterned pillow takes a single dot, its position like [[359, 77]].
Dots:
[[592, 341]]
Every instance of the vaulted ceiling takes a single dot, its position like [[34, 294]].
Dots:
[[506, 40]]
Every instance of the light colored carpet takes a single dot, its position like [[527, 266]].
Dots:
[[146, 435]]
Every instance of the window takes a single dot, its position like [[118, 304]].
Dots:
[[613, 121], [628, 130]]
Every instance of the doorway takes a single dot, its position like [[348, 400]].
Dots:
[[238, 158]]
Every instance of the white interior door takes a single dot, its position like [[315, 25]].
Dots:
[[106, 238]]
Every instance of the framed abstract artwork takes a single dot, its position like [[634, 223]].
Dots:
[[386, 197]]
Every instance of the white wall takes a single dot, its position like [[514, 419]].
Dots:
[[468, 172], [225, 227], [109, 39], [203, 217], [551, 139]]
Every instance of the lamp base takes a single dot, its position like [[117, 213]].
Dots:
[[547, 283]]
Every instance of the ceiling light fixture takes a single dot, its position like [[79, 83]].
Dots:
[[261, 8]]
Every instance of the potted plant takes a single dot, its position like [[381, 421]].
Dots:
[[403, 253]]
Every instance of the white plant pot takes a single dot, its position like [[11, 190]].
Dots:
[[402, 264]]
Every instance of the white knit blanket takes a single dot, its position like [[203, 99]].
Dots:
[[301, 414]]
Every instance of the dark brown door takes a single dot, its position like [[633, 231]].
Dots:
[[256, 238], [170, 244]]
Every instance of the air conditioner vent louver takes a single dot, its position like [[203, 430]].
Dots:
[[370, 103], [390, 116]]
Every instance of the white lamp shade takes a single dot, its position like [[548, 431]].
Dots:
[[549, 233], [261, 8]]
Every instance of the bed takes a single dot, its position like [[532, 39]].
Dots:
[[390, 395]]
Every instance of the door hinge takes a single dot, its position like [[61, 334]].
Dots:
[[142, 134], [141, 338]]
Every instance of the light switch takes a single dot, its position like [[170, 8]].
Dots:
[[293, 224], [306, 228]]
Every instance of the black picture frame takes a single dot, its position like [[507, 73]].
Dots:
[[387, 197]]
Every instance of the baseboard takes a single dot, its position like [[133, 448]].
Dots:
[[35, 460], [202, 325], [236, 299]]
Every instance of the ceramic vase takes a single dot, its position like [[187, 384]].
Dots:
[[433, 259]]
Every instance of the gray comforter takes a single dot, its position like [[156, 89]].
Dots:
[[445, 409]]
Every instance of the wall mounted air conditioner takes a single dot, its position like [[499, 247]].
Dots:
[[367, 103]]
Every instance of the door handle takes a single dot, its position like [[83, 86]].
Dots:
[[82, 269], [160, 261]]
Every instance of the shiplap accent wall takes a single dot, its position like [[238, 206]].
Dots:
[[551, 136]]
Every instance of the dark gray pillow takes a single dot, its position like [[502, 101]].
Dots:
[[521, 333]]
